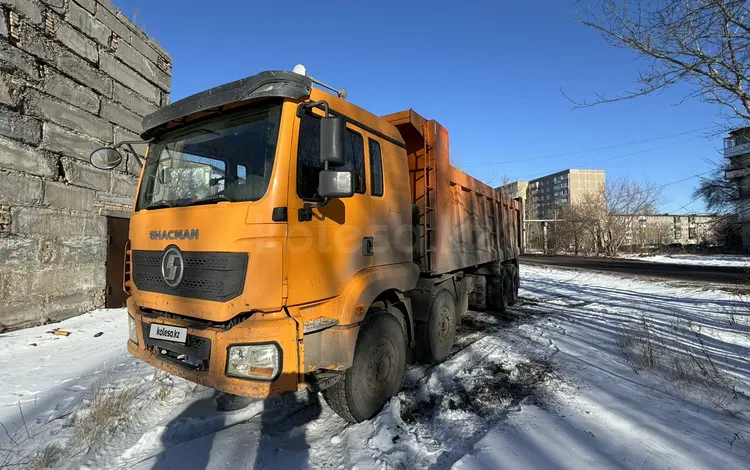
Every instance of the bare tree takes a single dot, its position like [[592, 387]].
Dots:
[[570, 232], [719, 194], [722, 197], [607, 219], [704, 43], [657, 233], [504, 185]]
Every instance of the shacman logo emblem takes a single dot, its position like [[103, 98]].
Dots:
[[187, 234], [172, 266]]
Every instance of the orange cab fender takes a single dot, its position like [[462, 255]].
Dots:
[[333, 347], [368, 284], [397, 304]]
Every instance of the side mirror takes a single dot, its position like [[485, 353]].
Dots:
[[105, 158], [336, 184], [332, 131]]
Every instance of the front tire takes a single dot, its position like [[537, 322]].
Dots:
[[377, 371]]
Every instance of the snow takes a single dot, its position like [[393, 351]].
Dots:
[[699, 260], [548, 386], [44, 373]]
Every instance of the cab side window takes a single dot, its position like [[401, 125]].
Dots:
[[376, 168], [355, 160], [308, 158]]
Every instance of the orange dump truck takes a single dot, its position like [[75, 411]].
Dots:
[[283, 238]]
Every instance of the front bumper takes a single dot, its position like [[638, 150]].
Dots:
[[206, 351]]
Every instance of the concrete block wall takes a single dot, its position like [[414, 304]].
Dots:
[[75, 75]]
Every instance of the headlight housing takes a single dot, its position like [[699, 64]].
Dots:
[[132, 332], [254, 361]]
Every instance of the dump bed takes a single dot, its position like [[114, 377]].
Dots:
[[462, 222]]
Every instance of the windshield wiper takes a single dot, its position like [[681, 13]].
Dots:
[[213, 198], [159, 204]]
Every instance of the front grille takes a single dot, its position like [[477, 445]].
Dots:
[[207, 263], [218, 277], [147, 257], [206, 285]]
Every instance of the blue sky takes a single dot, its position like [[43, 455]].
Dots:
[[491, 72]]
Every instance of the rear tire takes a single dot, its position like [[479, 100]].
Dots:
[[435, 336], [377, 371], [497, 293], [478, 297], [511, 274]]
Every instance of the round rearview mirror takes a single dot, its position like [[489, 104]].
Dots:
[[105, 158]]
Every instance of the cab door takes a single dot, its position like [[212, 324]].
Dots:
[[391, 202], [326, 252]]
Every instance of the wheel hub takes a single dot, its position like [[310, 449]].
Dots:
[[445, 324], [380, 367]]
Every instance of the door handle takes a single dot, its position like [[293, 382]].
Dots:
[[368, 244]]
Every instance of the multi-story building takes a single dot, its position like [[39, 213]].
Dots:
[[569, 187], [664, 229], [737, 150], [515, 189]]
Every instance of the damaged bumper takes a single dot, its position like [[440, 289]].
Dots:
[[203, 356]]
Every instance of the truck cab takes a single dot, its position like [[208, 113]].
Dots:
[[271, 246]]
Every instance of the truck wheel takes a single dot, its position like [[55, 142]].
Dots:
[[377, 371], [478, 297], [511, 274], [497, 294], [435, 336]]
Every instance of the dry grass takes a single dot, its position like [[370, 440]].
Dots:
[[50, 456], [104, 412], [686, 360], [645, 351], [108, 410]]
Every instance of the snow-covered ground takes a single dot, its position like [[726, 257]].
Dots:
[[698, 260], [589, 371]]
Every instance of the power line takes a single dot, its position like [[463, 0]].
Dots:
[[615, 158], [593, 150], [647, 150], [684, 179], [686, 205]]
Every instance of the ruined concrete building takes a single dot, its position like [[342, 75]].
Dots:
[[76, 75]]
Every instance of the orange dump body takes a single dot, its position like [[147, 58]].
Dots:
[[462, 222]]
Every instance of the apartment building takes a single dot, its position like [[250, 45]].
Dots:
[[515, 189], [664, 229], [737, 152], [564, 188]]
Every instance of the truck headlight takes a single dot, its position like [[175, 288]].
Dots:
[[132, 333], [254, 361]]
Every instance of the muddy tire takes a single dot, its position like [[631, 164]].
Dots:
[[377, 371], [478, 297], [511, 274], [497, 294], [435, 336]]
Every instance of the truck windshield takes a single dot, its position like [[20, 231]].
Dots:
[[229, 158]]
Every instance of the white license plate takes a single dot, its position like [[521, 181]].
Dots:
[[175, 334]]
